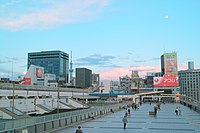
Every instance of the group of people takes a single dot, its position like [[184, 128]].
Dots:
[[178, 110], [128, 113], [125, 118]]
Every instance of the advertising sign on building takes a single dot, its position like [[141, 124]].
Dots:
[[171, 63], [39, 73], [166, 81], [26, 81]]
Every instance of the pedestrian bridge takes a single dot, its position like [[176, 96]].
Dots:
[[140, 121]]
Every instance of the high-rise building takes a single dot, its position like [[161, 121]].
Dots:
[[125, 84], [169, 63], [189, 81], [167, 81], [83, 77], [190, 65], [95, 80], [54, 62]]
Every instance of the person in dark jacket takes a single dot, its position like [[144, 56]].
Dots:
[[79, 130]]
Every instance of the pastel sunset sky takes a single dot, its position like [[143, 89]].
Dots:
[[110, 37]]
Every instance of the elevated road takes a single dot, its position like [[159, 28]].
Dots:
[[10, 86]]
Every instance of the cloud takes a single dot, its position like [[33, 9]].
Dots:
[[114, 74], [148, 60], [2, 62], [2, 70], [96, 60], [182, 66], [5, 60], [44, 14], [23, 66]]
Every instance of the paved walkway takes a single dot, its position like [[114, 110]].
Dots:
[[140, 122]]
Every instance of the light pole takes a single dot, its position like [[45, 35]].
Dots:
[[58, 99], [13, 98], [83, 96]]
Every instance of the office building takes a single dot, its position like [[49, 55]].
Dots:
[[83, 77], [54, 62], [189, 81], [125, 84], [169, 63], [168, 80], [190, 65], [95, 80]]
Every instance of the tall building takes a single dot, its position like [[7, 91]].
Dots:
[[95, 80], [54, 62], [168, 80], [189, 81], [125, 84], [190, 65], [169, 63], [83, 77]]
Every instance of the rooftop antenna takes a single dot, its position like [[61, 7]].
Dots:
[[71, 69]]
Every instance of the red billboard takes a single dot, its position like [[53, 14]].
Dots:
[[166, 81], [26, 81], [39, 72]]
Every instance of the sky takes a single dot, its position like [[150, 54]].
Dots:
[[110, 37]]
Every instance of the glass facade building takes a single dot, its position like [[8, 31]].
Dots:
[[54, 62]]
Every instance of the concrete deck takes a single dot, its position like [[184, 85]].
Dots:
[[141, 122]]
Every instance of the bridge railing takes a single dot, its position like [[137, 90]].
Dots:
[[190, 102], [28, 122]]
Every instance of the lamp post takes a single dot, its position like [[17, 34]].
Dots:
[[58, 98], [13, 98], [83, 96]]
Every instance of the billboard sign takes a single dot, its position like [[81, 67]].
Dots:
[[166, 81], [171, 63], [26, 81], [39, 72]]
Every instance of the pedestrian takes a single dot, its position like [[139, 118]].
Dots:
[[179, 111], [111, 110], [92, 116], [155, 110], [176, 110], [126, 112], [129, 112], [79, 130], [135, 106], [125, 121], [132, 105]]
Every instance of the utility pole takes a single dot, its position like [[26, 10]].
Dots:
[[13, 98], [58, 99], [71, 70]]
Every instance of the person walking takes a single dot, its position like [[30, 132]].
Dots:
[[79, 130], [176, 110], [125, 121], [135, 106], [92, 116], [179, 111], [155, 110], [129, 112]]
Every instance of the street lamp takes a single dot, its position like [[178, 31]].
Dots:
[[58, 99], [13, 97]]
